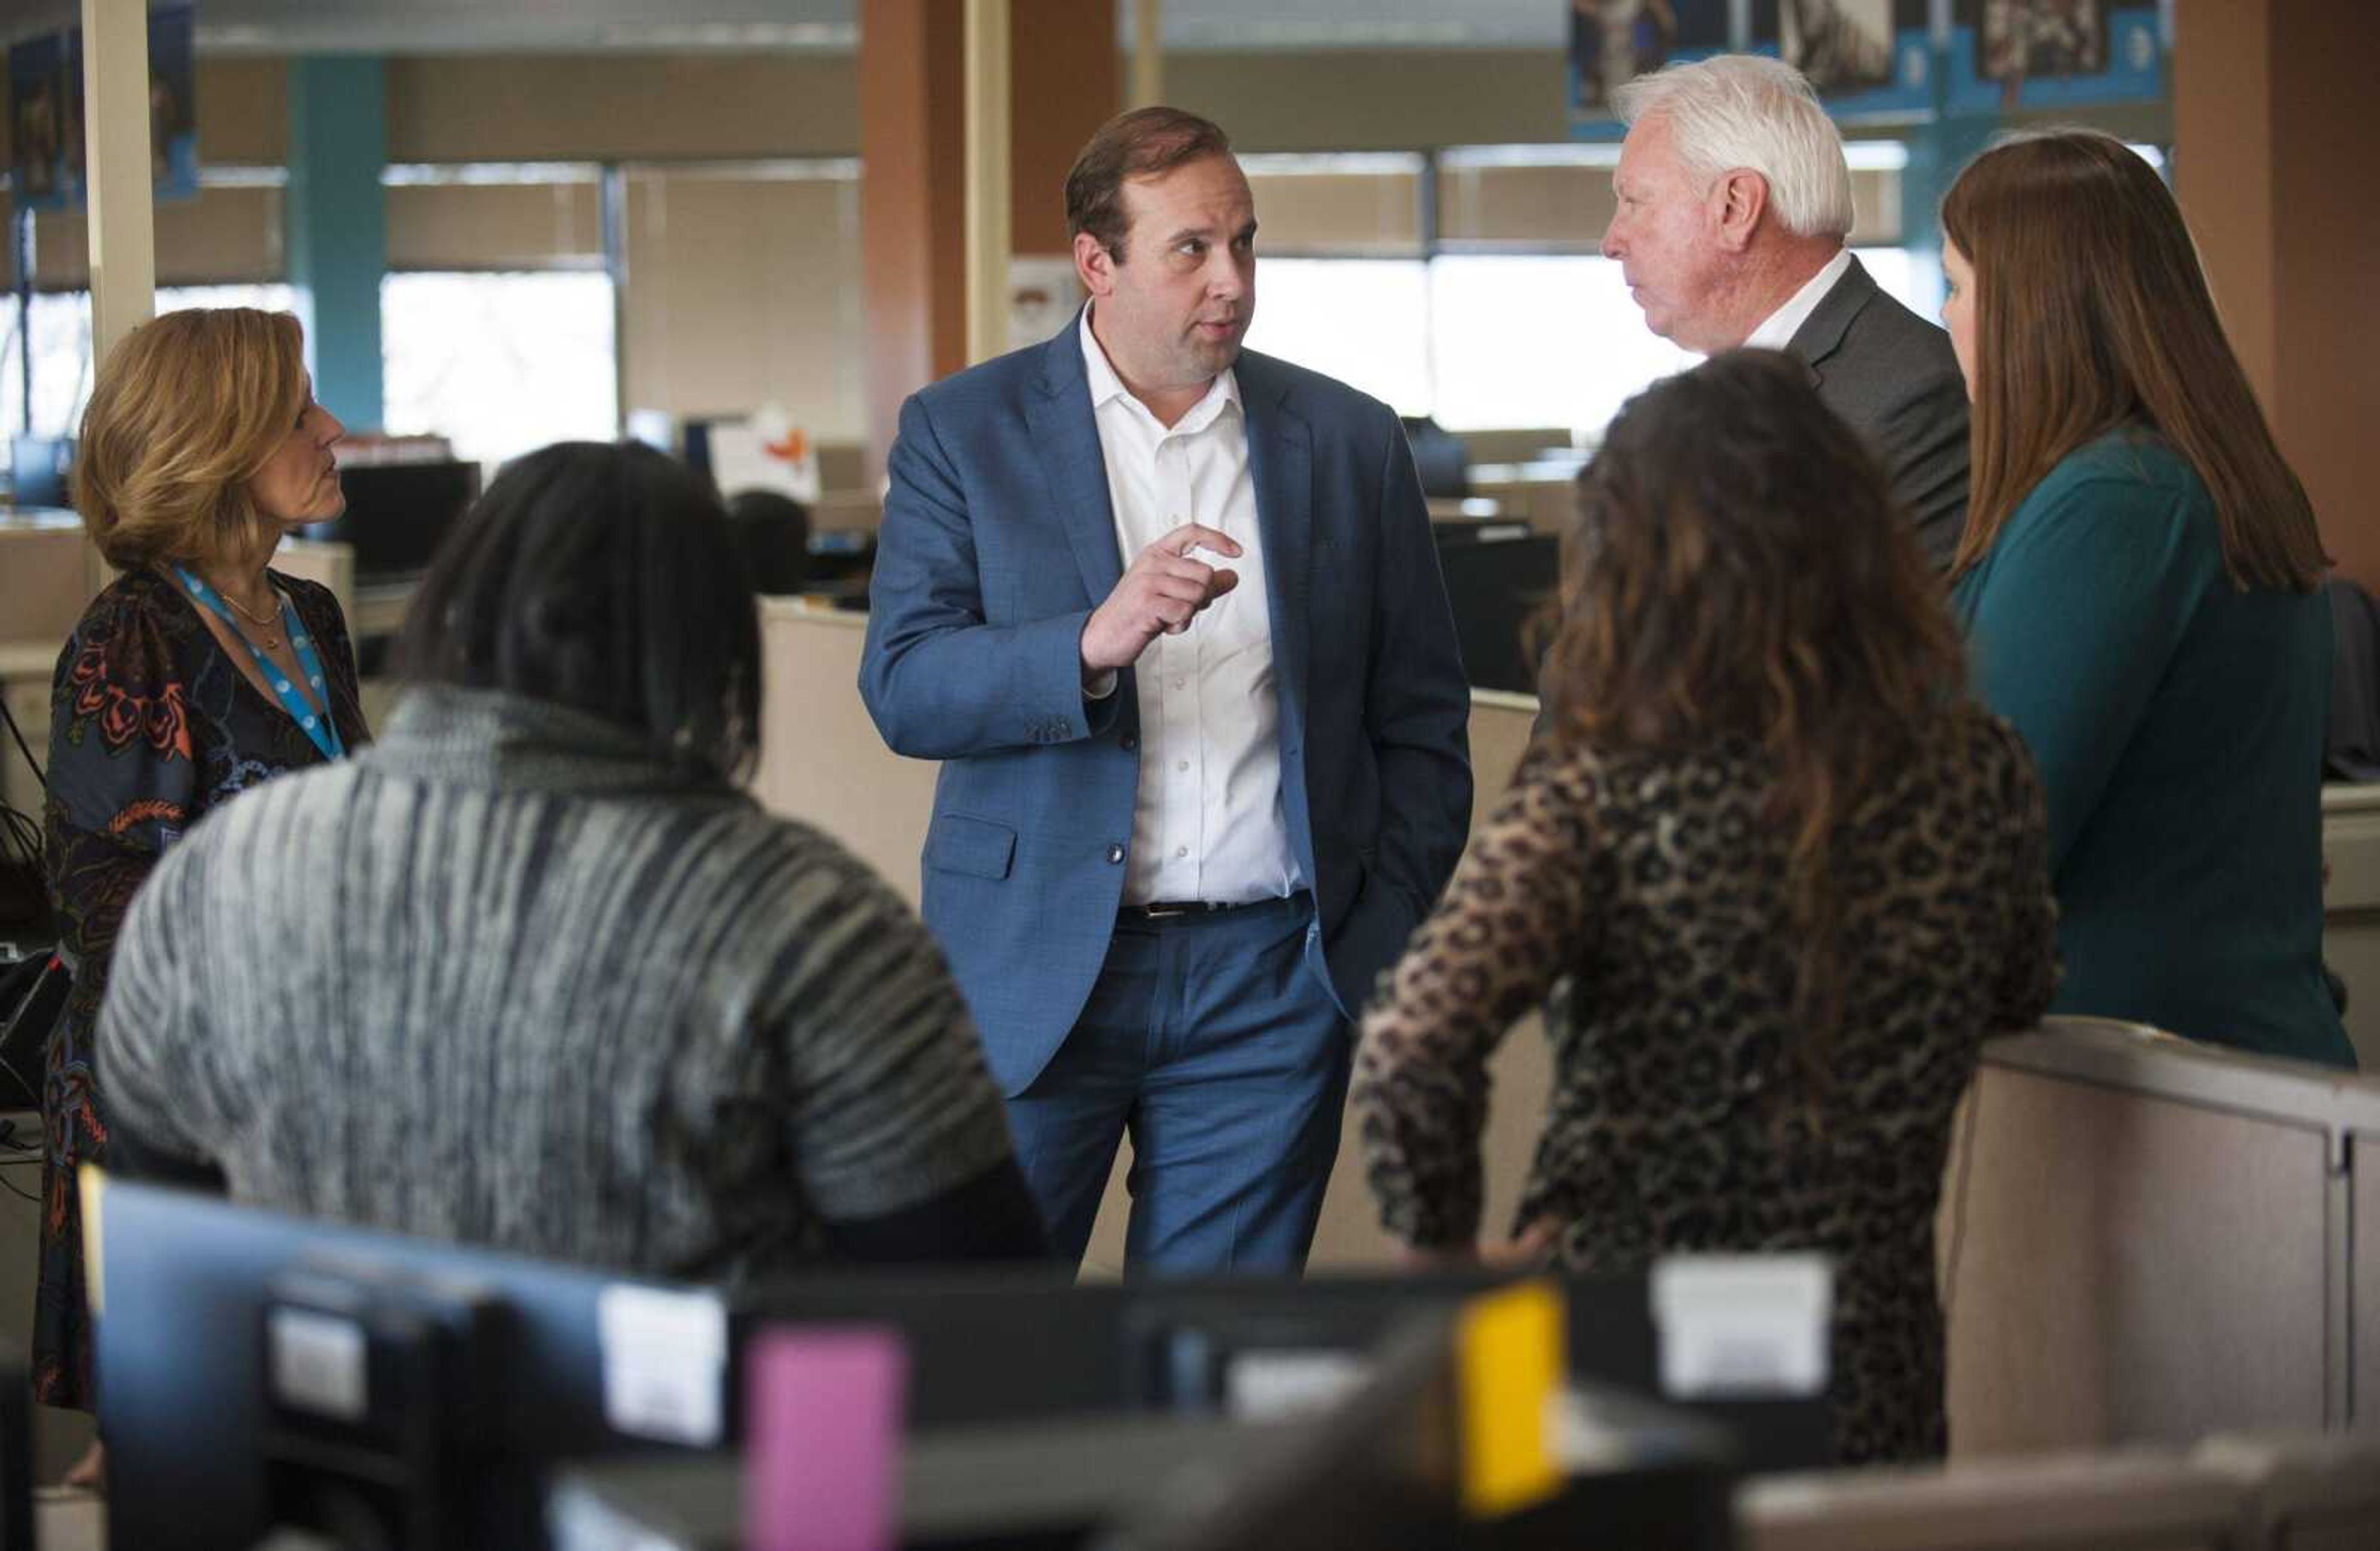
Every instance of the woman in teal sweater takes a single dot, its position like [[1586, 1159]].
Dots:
[[2137, 577]]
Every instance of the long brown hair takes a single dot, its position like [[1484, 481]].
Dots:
[[2092, 312], [185, 409], [1741, 572]]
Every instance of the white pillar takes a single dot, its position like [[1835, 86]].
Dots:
[[1147, 53], [115, 152], [987, 178]]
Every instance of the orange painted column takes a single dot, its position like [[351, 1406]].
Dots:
[[2274, 135], [1065, 80]]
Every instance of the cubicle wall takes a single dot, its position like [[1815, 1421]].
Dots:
[[822, 759], [43, 589], [2147, 1239], [43, 586]]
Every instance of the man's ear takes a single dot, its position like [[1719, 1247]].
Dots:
[[1740, 198], [1094, 265]]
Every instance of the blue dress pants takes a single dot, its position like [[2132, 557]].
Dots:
[[1212, 1043]]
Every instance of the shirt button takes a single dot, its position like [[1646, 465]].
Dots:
[[1179, 681], [1181, 764], [1180, 852], [1115, 855]]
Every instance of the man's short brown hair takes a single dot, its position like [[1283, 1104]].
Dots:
[[1146, 142]]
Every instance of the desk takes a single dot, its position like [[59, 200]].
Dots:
[[65, 1520], [1543, 491]]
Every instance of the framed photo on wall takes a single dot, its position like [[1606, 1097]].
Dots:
[[2050, 54], [1613, 42], [1870, 59]]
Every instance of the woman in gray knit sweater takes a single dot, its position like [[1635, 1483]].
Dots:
[[533, 971]]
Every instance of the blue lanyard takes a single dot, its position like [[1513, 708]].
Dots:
[[316, 726]]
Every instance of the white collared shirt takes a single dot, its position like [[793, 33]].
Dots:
[[1208, 824], [1782, 325]]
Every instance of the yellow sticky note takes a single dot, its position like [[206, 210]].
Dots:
[[1509, 1364], [91, 1179]]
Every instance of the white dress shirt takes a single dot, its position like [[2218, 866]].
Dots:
[[1777, 331], [1208, 824]]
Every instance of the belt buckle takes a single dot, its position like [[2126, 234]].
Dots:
[[1167, 912]]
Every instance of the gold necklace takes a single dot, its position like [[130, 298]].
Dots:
[[270, 641], [263, 627], [265, 619]]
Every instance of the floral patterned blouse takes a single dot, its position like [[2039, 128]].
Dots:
[[151, 725]]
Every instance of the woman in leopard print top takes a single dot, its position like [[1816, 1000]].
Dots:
[[1793, 874]]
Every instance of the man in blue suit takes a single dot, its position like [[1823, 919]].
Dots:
[[1171, 615]]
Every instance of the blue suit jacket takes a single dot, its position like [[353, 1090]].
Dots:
[[998, 540]]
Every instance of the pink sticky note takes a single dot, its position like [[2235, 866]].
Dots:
[[823, 1413]]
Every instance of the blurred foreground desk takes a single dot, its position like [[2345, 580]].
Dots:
[[67, 1521]]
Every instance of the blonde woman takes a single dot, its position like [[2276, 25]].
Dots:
[[197, 674]]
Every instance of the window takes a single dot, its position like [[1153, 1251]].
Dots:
[[1363, 321], [1912, 279], [499, 364], [61, 364], [1533, 340], [60, 333]]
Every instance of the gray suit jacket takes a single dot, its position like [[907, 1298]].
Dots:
[[1893, 375]]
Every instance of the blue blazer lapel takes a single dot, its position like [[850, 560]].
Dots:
[[1280, 461], [1066, 439]]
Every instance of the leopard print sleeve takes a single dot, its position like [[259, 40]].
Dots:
[[1512, 920], [2029, 974]]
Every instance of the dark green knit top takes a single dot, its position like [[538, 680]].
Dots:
[[2178, 724]]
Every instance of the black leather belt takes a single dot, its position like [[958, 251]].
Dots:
[[1190, 910], [1168, 910]]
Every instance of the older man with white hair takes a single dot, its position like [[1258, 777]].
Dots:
[[1733, 203]]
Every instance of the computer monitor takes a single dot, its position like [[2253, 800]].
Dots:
[[261, 1369], [40, 470], [1497, 576], [397, 513]]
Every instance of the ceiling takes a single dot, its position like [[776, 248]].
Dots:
[[283, 27]]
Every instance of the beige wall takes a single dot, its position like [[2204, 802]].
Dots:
[[741, 292], [495, 225], [1376, 100], [222, 236], [624, 107]]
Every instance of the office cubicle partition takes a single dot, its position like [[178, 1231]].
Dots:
[[2146, 1239]]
